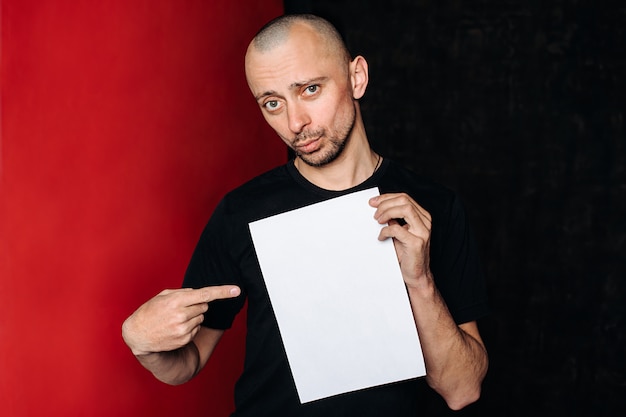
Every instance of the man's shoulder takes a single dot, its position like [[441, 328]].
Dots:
[[400, 178], [259, 195], [261, 184]]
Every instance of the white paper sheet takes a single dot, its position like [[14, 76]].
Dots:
[[339, 297]]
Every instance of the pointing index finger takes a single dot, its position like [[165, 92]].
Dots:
[[208, 294]]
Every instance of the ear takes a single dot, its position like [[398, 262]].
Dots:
[[358, 76]]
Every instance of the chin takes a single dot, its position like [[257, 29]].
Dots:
[[320, 158]]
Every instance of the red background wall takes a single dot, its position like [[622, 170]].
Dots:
[[123, 123]]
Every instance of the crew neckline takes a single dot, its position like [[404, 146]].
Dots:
[[369, 182]]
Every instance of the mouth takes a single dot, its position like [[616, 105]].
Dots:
[[308, 146]]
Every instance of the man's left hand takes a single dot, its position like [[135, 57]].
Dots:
[[409, 225]]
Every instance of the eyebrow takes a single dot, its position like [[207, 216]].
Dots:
[[292, 86], [265, 94], [307, 82]]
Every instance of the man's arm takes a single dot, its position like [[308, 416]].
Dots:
[[455, 356], [166, 336], [180, 365]]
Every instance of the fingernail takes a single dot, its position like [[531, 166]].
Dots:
[[234, 291]]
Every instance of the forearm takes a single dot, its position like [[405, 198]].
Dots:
[[456, 360], [166, 336], [174, 367], [170, 366]]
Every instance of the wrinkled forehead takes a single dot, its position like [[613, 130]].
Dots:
[[300, 55]]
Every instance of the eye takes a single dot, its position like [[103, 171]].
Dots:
[[311, 89], [271, 105]]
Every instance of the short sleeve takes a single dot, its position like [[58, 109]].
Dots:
[[456, 265], [213, 264]]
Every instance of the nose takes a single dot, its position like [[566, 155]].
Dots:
[[298, 117]]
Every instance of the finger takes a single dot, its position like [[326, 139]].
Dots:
[[194, 332], [195, 321], [425, 215], [196, 310], [376, 201], [396, 231], [406, 213], [386, 201], [401, 197], [185, 332], [401, 206], [392, 199], [407, 236], [208, 294], [184, 319]]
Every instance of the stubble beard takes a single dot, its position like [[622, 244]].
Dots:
[[333, 148]]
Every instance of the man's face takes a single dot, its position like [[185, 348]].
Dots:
[[305, 95]]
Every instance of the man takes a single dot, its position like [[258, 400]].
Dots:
[[307, 87]]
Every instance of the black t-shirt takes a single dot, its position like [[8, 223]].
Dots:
[[225, 255]]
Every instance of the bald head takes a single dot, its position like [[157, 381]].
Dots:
[[276, 33]]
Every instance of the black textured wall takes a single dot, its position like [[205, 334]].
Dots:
[[518, 106]]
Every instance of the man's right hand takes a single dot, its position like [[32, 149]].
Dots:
[[171, 319]]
